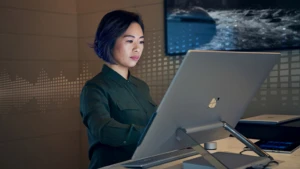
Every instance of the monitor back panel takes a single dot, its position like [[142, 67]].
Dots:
[[208, 87]]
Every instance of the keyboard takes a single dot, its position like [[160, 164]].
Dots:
[[160, 159]]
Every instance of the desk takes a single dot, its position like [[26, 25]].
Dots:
[[231, 144]]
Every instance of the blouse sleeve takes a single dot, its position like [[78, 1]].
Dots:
[[94, 108]]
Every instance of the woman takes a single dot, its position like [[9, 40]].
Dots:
[[115, 105]]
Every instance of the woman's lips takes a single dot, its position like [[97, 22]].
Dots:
[[135, 58]]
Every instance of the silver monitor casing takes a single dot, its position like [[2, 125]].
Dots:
[[230, 79]]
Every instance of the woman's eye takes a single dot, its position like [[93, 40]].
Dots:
[[141, 42], [130, 41]]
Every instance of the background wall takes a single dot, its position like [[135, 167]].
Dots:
[[45, 60], [39, 119], [280, 92]]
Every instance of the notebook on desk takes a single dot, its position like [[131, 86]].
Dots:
[[270, 119]]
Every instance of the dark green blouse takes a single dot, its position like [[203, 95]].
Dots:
[[115, 112]]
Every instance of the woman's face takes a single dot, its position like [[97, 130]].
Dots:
[[129, 46]]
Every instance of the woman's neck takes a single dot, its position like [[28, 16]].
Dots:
[[123, 71]]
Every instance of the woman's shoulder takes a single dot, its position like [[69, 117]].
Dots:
[[98, 81]]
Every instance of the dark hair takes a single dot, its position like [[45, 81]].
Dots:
[[112, 26]]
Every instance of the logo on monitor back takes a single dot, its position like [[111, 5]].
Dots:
[[213, 103]]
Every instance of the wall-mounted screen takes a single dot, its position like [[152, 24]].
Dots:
[[237, 25]]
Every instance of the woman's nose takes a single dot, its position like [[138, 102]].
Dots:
[[136, 48]]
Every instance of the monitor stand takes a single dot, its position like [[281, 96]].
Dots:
[[182, 135]]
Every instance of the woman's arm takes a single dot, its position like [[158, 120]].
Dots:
[[94, 108]]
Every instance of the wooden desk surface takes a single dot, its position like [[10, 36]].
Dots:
[[231, 144]]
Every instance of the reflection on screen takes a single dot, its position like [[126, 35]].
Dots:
[[277, 145]]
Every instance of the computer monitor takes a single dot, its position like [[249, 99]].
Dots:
[[209, 87]]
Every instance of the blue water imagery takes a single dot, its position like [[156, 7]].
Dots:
[[195, 27]]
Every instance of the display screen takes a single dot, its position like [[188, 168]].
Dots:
[[236, 25], [277, 145]]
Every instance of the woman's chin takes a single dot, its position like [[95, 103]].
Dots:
[[132, 64]]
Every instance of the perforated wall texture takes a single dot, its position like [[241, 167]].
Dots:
[[280, 91]]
